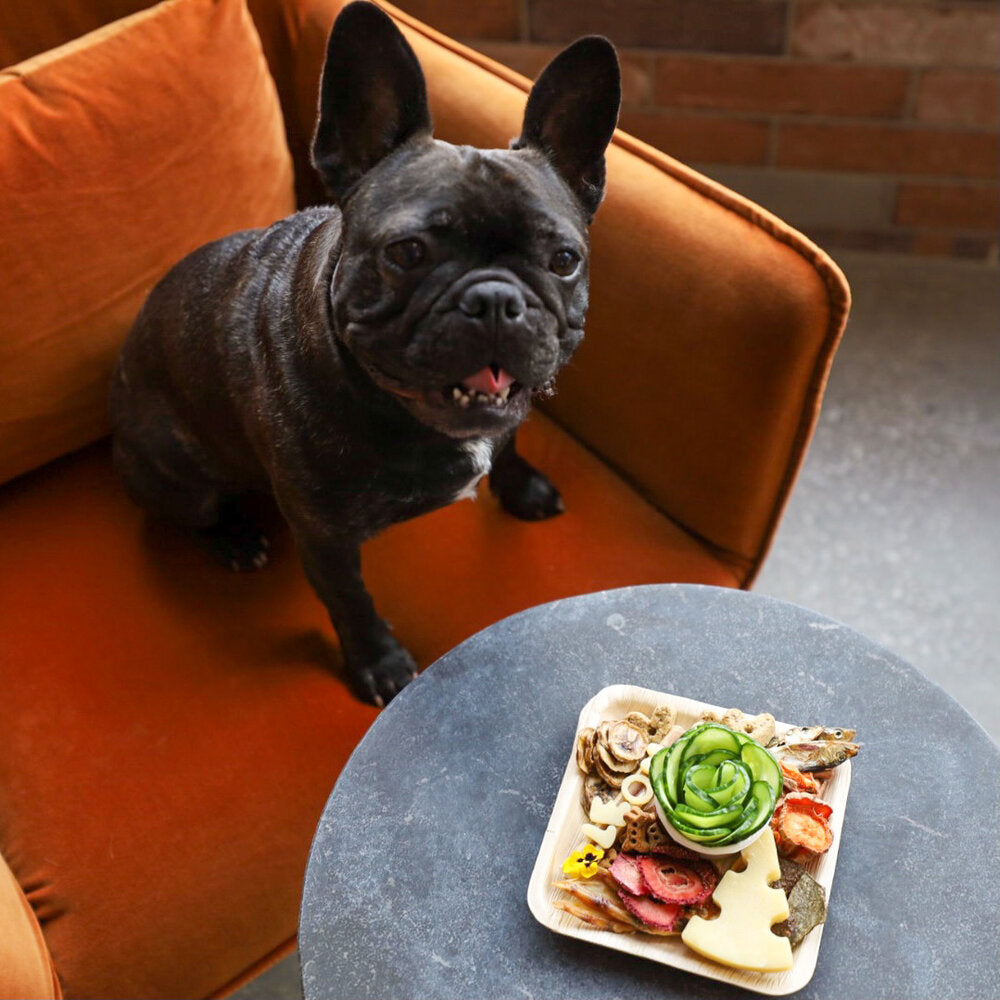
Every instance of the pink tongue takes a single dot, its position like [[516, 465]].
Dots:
[[488, 382]]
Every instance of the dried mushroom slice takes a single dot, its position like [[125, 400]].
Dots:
[[582, 760], [595, 787], [612, 763], [604, 731], [613, 778], [626, 743]]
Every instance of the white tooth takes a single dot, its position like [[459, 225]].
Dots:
[[456, 393], [463, 400], [504, 393]]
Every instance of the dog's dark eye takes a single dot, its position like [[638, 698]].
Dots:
[[564, 262], [406, 254]]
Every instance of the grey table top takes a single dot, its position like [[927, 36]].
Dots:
[[418, 873]]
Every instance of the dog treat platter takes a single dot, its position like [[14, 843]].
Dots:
[[420, 868]]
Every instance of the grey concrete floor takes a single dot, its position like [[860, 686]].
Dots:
[[894, 524]]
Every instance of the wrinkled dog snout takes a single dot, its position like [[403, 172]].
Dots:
[[494, 303]]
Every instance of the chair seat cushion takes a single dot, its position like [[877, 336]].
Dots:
[[169, 730]]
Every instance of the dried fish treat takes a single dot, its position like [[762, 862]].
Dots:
[[589, 916]]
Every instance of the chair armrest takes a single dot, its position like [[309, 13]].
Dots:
[[26, 968], [712, 324]]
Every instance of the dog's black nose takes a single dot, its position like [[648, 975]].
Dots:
[[495, 301]]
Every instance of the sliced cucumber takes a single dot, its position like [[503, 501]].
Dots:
[[657, 764], [674, 755], [709, 737], [708, 837], [757, 812], [707, 820], [702, 776], [658, 778], [762, 766], [732, 788], [696, 797], [716, 786], [719, 756]]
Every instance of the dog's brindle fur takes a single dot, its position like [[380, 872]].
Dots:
[[316, 360]]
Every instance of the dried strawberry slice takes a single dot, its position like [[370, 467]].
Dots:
[[657, 916], [626, 872], [683, 882]]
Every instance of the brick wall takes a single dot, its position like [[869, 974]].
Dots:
[[865, 123]]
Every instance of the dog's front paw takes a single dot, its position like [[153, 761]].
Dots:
[[378, 681], [525, 492]]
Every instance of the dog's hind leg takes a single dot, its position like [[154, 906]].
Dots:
[[167, 481]]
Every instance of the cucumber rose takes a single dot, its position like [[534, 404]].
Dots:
[[715, 787]]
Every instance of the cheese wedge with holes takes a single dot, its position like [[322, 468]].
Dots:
[[741, 935]]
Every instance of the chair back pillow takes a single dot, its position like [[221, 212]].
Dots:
[[120, 152]]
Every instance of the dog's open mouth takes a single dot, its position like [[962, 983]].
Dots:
[[491, 386]]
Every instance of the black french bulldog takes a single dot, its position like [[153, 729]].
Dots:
[[368, 363]]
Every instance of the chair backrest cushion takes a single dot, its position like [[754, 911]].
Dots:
[[120, 152]]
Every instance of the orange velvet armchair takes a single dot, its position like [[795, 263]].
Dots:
[[169, 732]]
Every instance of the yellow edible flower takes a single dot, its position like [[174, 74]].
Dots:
[[583, 863]]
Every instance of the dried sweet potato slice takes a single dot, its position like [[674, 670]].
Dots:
[[801, 827]]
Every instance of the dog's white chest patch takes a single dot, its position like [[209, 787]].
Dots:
[[480, 451]]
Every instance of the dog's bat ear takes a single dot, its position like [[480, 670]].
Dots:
[[571, 115], [372, 97]]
